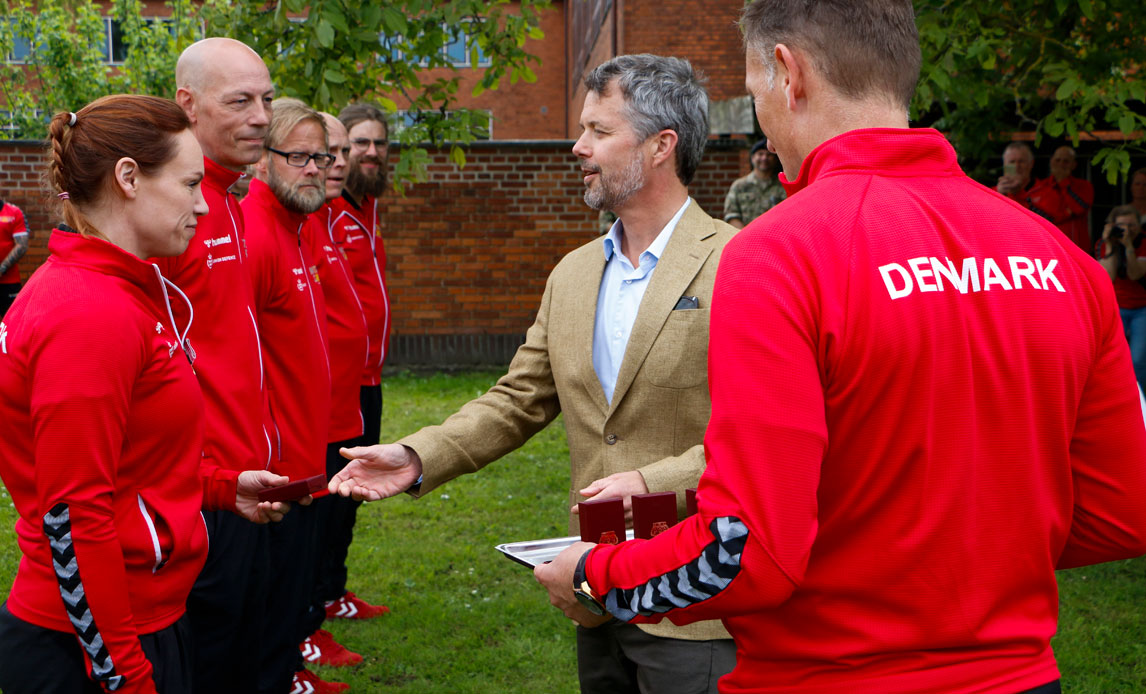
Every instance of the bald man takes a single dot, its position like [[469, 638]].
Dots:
[[225, 89], [1064, 199]]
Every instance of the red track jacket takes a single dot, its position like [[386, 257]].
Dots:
[[356, 231], [345, 326], [292, 327], [228, 362], [11, 226], [101, 431], [922, 405]]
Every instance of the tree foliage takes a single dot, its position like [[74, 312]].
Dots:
[[325, 52], [1056, 68]]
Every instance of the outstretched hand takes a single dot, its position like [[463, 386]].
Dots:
[[376, 472], [247, 503]]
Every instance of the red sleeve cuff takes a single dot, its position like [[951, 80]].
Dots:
[[220, 487]]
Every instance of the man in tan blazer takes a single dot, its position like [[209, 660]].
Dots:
[[619, 346]]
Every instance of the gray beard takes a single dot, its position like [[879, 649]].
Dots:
[[297, 201], [614, 190], [360, 184]]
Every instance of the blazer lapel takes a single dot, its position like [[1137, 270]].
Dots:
[[583, 321], [682, 259]]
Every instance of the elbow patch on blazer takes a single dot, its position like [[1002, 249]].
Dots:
[[58, 528], [696, 581]]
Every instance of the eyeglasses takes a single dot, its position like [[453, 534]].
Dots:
[[300, 159], [364, 143]]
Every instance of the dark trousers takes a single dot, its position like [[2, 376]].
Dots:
[[8, 292], [227, 604], [621, 659], [292, 558], [1054, 687], [35, 660], [334, 526], [370, 399]]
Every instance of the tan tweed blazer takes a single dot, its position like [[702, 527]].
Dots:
[[660, 407]]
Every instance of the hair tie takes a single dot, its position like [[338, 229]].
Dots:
[[72, 119], [64, 195]]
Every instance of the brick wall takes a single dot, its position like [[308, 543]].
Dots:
[[467, 252], [703, 32]]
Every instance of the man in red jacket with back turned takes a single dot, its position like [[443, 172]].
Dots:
[[922, 402], [289, 185]]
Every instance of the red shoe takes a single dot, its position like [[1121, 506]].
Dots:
[[320, 647], [306, 682], [350, 606]]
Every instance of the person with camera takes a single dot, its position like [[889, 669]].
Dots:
[[1120, 251]]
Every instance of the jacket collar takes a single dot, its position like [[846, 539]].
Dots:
[[886, 151], [218, 177], [260, 194], [104, 257]]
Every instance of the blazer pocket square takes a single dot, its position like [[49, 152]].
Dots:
[[685, 303]]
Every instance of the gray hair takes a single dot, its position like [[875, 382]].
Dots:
[[1020, 147], [661, 93]]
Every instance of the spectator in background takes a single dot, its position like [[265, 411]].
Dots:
[[1016, 181], [1120, 251], [13, 246], [605, 219], [1138, 194], [759, 191], [1064, 199]]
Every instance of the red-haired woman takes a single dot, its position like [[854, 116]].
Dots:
[[101, 416]]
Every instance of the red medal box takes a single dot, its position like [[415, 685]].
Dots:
[[293, 491], [602, 522], [653, 514]]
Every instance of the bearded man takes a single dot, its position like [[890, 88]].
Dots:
[[289, 185], [620, 346], [356, 230]]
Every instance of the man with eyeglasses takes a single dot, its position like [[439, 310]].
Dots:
[[288, 185], [355, 229], [347, 337]]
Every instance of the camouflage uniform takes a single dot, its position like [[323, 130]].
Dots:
[[605, 221], [749, 197]]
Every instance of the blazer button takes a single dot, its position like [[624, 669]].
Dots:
[[611, 439]]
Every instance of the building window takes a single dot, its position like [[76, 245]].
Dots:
[[456, 51], [482, 129], [113, 49], [21, 47]]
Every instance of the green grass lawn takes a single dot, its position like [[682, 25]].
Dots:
[[465, 619]]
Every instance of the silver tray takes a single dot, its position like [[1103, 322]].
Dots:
[[533, 552]]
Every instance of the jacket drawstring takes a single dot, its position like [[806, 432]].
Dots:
[[164, 283]]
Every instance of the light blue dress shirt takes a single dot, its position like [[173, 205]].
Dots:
[[619, 298]]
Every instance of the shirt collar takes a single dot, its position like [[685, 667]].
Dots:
[[656, 248]]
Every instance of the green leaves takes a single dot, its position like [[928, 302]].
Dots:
[[1070, 69], [325, 52]]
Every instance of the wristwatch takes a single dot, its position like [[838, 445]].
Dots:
[[582, 591]]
